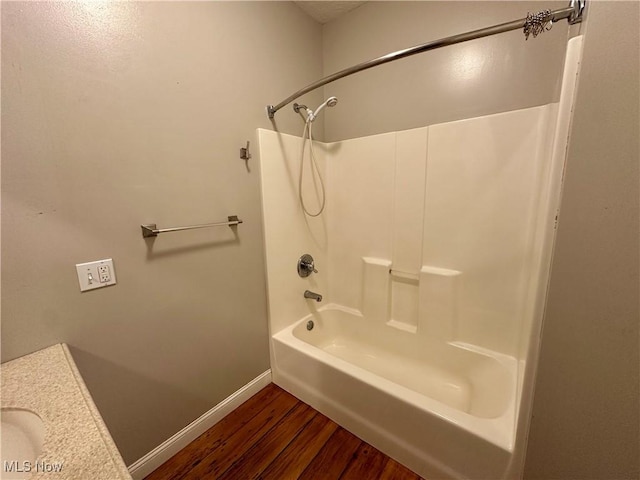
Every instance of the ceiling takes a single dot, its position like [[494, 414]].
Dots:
[[325, 11]]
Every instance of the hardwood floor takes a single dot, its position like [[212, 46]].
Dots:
[[275, 436]]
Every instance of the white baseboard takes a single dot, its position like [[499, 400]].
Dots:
[[167, 449]]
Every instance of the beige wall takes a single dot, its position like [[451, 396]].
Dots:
[[119, 114], [586, 407], [481, 77]]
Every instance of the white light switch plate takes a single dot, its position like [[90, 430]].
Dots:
[[96, 274]]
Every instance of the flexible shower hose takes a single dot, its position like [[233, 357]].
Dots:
[[307, 131]]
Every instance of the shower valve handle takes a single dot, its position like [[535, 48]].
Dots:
[[306, 266]]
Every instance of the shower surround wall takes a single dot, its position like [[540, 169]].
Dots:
[[427, 230], [434, 232], [431, 229]]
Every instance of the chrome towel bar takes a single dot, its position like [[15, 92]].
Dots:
[[151, 230]]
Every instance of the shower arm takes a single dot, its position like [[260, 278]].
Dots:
[[573, 13]]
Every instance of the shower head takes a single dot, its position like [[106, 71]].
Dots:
[[330, 102]]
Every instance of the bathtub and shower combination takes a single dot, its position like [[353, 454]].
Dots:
[[433, 283], [435, 403]]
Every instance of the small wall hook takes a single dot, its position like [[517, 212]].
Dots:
[[244, 152]]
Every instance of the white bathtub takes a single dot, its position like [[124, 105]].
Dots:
[[444, 410]]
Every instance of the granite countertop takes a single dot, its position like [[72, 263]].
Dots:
[[48, 383]]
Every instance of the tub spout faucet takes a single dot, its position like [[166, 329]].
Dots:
[[313, 296]]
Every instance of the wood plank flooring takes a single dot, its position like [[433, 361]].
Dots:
[[275, 436]]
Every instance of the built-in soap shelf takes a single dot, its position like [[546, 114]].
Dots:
[[420, 303], [405, 327], [404, 275]]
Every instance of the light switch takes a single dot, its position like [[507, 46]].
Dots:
[[96, 274]]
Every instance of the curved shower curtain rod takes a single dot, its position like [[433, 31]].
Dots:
[[532, 24]]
